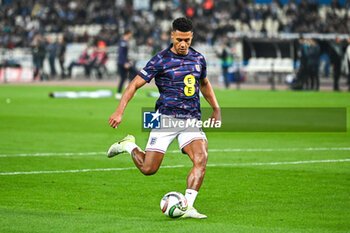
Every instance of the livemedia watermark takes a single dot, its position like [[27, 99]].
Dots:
[[156, 120], [252, 120]]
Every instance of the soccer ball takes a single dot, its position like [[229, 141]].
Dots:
[[173, 204]]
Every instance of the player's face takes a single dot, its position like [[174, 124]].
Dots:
[[181, 41]]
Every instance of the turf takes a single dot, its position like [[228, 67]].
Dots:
[[242, 190]]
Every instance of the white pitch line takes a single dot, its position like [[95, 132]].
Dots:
[[280, 163], [67, 171], [280, 149], [175, 166], [177, 151], [52, 154]]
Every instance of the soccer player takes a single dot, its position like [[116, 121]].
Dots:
[[179, 72]]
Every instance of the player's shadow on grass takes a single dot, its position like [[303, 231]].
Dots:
[[167, 219]]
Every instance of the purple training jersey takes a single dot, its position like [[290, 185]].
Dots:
[[177, 78]]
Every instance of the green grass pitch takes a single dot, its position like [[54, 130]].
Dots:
[[246, 188]]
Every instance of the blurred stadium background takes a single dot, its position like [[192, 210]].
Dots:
[[264, 38], [54, 174]]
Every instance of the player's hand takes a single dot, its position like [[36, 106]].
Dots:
[[115, 119], [127, 65], [216, 116]]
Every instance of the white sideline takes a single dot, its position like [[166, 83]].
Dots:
[[52, 154], [175, 166], [177, 151]]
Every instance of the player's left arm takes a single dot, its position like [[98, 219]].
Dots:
[[209, 95]]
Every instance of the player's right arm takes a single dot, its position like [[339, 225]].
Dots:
[[129, 92], [145, 75]]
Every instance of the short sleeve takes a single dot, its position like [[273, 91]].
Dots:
[[151, 69], [204, 68]]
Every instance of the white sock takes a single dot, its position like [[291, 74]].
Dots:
[[191, 195], [129, 146]]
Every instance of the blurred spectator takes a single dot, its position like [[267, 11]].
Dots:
[[61, 54], [313, 58], [92, 60], [325, 64], [82, 61], [99, 64], [124, 65], [106, 20], [52, 50], [226, 58], [208, 6], [336, 55], [347, 62], [302, 75], [38, 52]]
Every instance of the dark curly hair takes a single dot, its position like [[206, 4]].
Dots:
[[182, 24]]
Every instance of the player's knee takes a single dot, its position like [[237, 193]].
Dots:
[[200, 159], [148, 171]]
